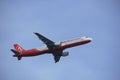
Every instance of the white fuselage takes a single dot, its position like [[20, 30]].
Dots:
[[68, 43]]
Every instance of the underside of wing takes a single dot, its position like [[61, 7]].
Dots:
[[50, 44], [57, 55], [57, 58]]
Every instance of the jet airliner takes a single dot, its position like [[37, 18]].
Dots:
[[51, 47]]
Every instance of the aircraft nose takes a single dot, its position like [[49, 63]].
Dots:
[[90, 39]]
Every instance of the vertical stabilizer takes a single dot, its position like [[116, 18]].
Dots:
[[19, 48]]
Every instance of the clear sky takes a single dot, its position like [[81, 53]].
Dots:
[[60, 20]]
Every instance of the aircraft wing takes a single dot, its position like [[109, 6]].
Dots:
[[57, 58], [48, 42], [57, 55]]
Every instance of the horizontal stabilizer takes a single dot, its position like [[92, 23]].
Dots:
[[16, 54]]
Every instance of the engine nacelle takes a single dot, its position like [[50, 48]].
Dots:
[[64, 54]]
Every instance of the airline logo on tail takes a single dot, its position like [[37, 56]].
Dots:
[[18, 48]]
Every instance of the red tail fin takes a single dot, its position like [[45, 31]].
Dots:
[[18, 48]]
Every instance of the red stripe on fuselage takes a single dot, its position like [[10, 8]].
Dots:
[[34, 52], [70, 45]]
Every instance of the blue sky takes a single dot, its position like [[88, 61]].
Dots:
[[59, 21]]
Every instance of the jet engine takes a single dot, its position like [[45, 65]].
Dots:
[[64, 54]]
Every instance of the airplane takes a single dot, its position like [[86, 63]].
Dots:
[[51, 47]]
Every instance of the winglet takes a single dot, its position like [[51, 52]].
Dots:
[[34, 32]]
